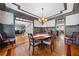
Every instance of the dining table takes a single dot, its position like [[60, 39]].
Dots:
[[41, 37]]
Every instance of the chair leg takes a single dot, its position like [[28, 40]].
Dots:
[[52, 43], [33, 50], [51, 48], [29, 47], [2, 46]]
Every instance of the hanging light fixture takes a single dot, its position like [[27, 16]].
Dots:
[[42, 19]]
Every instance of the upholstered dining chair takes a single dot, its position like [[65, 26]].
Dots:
[[49, 41], [33, 42], [3, 42], [72, 39]]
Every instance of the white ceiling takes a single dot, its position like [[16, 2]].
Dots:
[[49, 8]]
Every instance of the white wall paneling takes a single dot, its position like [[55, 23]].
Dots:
[[6, 17], [72, 19], [72, 22]]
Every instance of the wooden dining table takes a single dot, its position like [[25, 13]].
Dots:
[[41, 37]]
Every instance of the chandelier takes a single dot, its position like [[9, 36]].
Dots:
[[42, 19]]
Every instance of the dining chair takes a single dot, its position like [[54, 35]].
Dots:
[[72, 39], [49, 41], [33, 42], [4, 40]]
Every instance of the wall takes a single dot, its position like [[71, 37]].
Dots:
[[71, 29], [7, 23], [72, 22], [6, 17], [41, 28], [72, 19], [0, 27]]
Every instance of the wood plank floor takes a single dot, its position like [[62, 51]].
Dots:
[[22, 44]]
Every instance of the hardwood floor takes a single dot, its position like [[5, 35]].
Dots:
[[5, 51], [22, 44]]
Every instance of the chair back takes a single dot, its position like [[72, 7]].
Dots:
[[74, 34], [30, 36], [50, 32], [4, 35]]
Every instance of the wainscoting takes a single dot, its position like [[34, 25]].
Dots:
[[71, 29], [8, 29]]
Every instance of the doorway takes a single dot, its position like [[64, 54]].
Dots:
[[22, 28], [60, 26]]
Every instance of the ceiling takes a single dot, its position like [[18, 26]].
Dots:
[[49, 8]]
